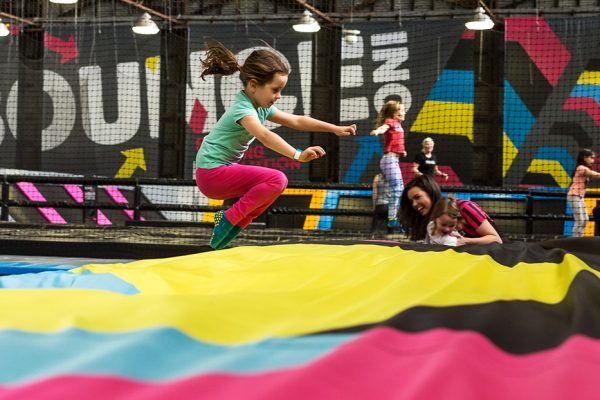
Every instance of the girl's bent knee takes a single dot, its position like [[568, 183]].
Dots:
[[279, 181]]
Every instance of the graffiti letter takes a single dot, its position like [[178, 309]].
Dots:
[[153, 93], [395, 90], [128, 104]]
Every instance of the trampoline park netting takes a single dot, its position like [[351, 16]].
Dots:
[[118, 116]]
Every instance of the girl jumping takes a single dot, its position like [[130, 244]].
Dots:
[[219, 175], [388, 124]]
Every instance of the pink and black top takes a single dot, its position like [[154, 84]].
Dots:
[[473, 215]]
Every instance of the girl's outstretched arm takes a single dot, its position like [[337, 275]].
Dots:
[[590, 173], [276, 143], [380, 130], [309, 124]]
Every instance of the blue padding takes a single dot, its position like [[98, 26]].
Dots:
[[150, 354], [21, 267], [64, 279]]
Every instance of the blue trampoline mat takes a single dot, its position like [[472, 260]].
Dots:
[[16, 264]]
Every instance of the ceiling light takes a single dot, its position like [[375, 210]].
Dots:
[[481, 21], [307, 23], [3, 29], [350, 35], [63, 1], [145, 26]]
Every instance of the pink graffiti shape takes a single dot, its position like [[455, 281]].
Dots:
[[118, 197], [468, 34], [540, 43], [76, 193], [198, 117], [66, 48], [102, 219], [33, 194]]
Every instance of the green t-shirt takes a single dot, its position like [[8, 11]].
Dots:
[[228, 140]]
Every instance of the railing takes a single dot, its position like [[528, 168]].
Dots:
[[83, 195]]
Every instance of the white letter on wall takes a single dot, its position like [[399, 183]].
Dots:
[[128, 104]]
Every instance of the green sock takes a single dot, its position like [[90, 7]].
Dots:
[[230, 236], [222, 228]]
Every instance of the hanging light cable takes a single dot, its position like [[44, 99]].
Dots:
[[351, 35]]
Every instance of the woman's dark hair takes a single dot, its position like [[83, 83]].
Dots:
[[581, 156], [415, 223], [261, 65]]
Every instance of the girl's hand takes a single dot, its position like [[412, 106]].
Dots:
[[349, 130], [404, 154], [311, 153]]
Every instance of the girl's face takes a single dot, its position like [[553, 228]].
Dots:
[[266, 95], [400, 113], [445, 224], [589, 160], [428, 146], [420, 200]]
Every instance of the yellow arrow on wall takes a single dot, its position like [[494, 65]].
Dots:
[[134, 158]]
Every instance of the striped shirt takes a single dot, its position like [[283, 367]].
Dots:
[[473, 215]]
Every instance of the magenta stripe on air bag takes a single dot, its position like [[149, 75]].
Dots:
[[381, 364]]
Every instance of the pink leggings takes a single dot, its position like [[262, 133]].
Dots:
[[258, 187]]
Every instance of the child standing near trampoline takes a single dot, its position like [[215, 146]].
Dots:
[[219, 175], [389, 124], [381, 199], [576, 194]]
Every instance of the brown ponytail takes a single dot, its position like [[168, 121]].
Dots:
[[261, 65], [219, 60]]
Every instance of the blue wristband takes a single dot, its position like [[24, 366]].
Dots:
[[297, 154]]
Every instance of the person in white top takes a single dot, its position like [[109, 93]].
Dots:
[[445, 222]]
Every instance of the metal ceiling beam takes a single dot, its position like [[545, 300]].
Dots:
[[18, 19], [152, 11], [316, 11]]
